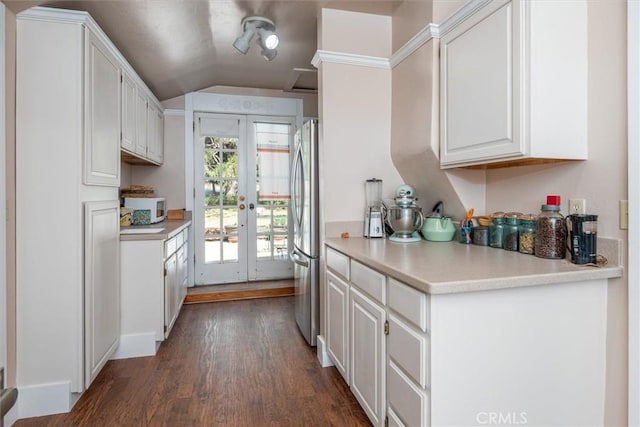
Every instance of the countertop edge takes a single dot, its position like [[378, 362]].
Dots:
[[172, 227], [426, 285]]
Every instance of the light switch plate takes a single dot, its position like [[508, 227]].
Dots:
[[624, 214]]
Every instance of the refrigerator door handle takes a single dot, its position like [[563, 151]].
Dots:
[[297, 165], [295, 257]]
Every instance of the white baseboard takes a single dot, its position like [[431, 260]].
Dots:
[[136, 345], [45, 399], [321, 351]]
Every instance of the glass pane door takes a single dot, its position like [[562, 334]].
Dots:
[[220, 216], [241, 215], [271, 139]]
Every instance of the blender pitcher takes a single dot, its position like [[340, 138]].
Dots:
[[373, 221]]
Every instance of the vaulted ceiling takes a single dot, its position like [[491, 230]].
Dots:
[[180, 46]]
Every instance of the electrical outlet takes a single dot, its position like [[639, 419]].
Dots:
[[624, 214], [577, 206]]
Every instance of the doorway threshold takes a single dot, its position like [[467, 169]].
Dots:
[[239, 291]]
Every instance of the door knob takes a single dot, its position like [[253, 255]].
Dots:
[[241, 198], [241, 206]]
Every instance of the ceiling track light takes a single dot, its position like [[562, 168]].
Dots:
[[267, 39]]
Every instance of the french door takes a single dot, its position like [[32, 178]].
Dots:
[[241, 214]]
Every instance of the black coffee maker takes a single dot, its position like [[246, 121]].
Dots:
[[583, 236]]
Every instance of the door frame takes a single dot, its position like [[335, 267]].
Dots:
[[202, 102], [633, 179]]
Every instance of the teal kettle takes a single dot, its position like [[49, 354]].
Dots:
[[437, 227]]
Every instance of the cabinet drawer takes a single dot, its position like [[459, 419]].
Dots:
[[408, 402], [409, 350], [370, 281], [170, 247], [409, 303], [338, 262], [179, 239]]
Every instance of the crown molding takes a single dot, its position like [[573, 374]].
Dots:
[[173, 112], [468, 9], [350, 59], [431, 31]]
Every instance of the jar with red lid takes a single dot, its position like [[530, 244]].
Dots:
[[551, 233]]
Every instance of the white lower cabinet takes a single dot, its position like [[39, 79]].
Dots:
[[175, 279], [355, 333], [337, 334], [377, 338], [465, 358], [102, 285], [154, 284], [367, 354]]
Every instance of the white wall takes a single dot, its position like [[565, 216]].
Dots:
[[355, 118]]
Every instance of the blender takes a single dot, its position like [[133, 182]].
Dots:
[[405, 218], [373, 225]]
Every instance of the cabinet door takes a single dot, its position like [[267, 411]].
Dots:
[[170, 293], [338, 323], [128, 118], [182, 273], [102, 114], [101, 284], [155, 134], [480, 87], [141, 123], [367, 355]]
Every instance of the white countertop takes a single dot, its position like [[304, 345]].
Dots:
[[171, 228], [449, 267]]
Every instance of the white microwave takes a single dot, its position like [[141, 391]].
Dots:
[[156, 206]]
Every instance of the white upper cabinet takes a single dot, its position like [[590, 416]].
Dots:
[[102, 114], [141, 123], [513, 84], [155, 134], [129, 99], [142, 139]]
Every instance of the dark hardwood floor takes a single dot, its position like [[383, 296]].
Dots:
[[234, 363]]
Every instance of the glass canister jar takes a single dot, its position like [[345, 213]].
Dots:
[[510, 231], [551, 234], [496, 230], [527, 234]]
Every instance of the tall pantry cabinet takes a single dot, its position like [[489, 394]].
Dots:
[[67, 219]]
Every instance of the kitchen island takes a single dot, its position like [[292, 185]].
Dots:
[[441, 333]]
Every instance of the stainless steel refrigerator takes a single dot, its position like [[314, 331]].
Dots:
[[305, 251]]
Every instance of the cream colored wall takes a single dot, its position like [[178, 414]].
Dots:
[[355, 33], [408, 19], [415, 128], [601, 180], [355, 118]]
